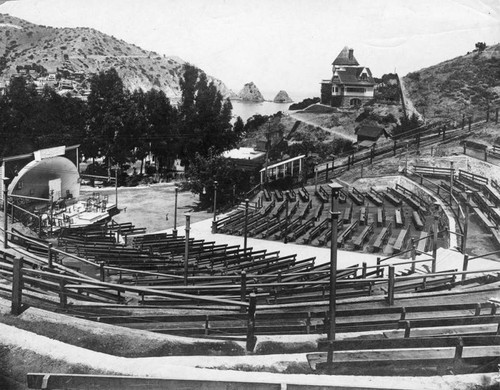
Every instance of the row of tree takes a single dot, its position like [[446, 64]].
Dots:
[[120, 125]]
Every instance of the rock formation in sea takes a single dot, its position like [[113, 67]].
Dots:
[[282, 97], [251, 93]]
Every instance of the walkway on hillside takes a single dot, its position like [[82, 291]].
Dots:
[[331, 131]]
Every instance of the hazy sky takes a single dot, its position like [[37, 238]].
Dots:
[[282, 44]]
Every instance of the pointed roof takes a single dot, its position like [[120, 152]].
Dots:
[[346, 58]]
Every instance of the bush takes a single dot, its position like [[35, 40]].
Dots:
[[304, 103]]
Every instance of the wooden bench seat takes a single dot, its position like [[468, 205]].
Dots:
[[359, 240], [401, 240], [417, 221]]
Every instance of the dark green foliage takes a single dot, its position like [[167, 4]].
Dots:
[[204, 117], [415, 76], [29, 121], [407, 124], [304, 103], [480, 46], [204, 170], [254, 122]]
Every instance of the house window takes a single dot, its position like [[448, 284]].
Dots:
[[363, 76], [355, 102], [356, 90]]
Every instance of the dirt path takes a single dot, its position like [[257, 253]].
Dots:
[[333, 132]]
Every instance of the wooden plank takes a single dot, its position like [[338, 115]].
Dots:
[[484, 219], [401, 240], [417, 220], [423, 240]]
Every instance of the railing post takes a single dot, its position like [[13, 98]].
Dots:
[[63, 297], [326, 173], [434, 243], [251, 339], [186, 249], [390, 286], [363, 271], [17, 286], [50, 254], [101, 271], [245, 232], [413, 255], [465, 266], [378, 266], [243, 290], [315, 178]]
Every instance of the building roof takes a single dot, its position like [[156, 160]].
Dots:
[[353, 76], [369, 131], [346, 58]]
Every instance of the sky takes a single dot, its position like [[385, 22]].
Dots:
[[282, 44]]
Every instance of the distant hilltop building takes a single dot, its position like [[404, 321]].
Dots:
[[351, 85]]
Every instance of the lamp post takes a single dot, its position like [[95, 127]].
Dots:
[[335, 187], [246, 226], [435, 235], [5, 215], [214, 222], [186, 249], [286, 216], [406, 157], [51, 211], [174, 232], [466, 222]]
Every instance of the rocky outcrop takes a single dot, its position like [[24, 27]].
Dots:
[[282, 97], [250, 93]]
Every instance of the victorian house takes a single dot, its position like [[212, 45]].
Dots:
[[351, 85]]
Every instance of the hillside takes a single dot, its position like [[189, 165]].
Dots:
[[85, 50], [463, 84]]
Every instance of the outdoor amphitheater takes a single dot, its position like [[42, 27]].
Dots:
[[377, 272]]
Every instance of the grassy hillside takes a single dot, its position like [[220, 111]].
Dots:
[[89, 51], [463, 84]]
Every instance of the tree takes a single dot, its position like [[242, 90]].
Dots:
[[107, 104], [162, 133], [204, 117], [204, 170], [480, 46]]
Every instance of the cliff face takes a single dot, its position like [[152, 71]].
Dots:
[[87, 51], [282, 97], [251, 93]]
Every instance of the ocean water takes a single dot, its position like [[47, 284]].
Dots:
[[247, 109]]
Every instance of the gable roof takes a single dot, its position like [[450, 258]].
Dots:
[[344, 60], [352, 76]]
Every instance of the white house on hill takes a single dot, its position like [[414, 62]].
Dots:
[[351, 84]]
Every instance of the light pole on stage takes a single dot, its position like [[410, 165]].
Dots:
[[246, 227], [174, 232], [335, 187], [5, 214], [214, 222]]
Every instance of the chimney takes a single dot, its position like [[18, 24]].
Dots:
[[351, 54]]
